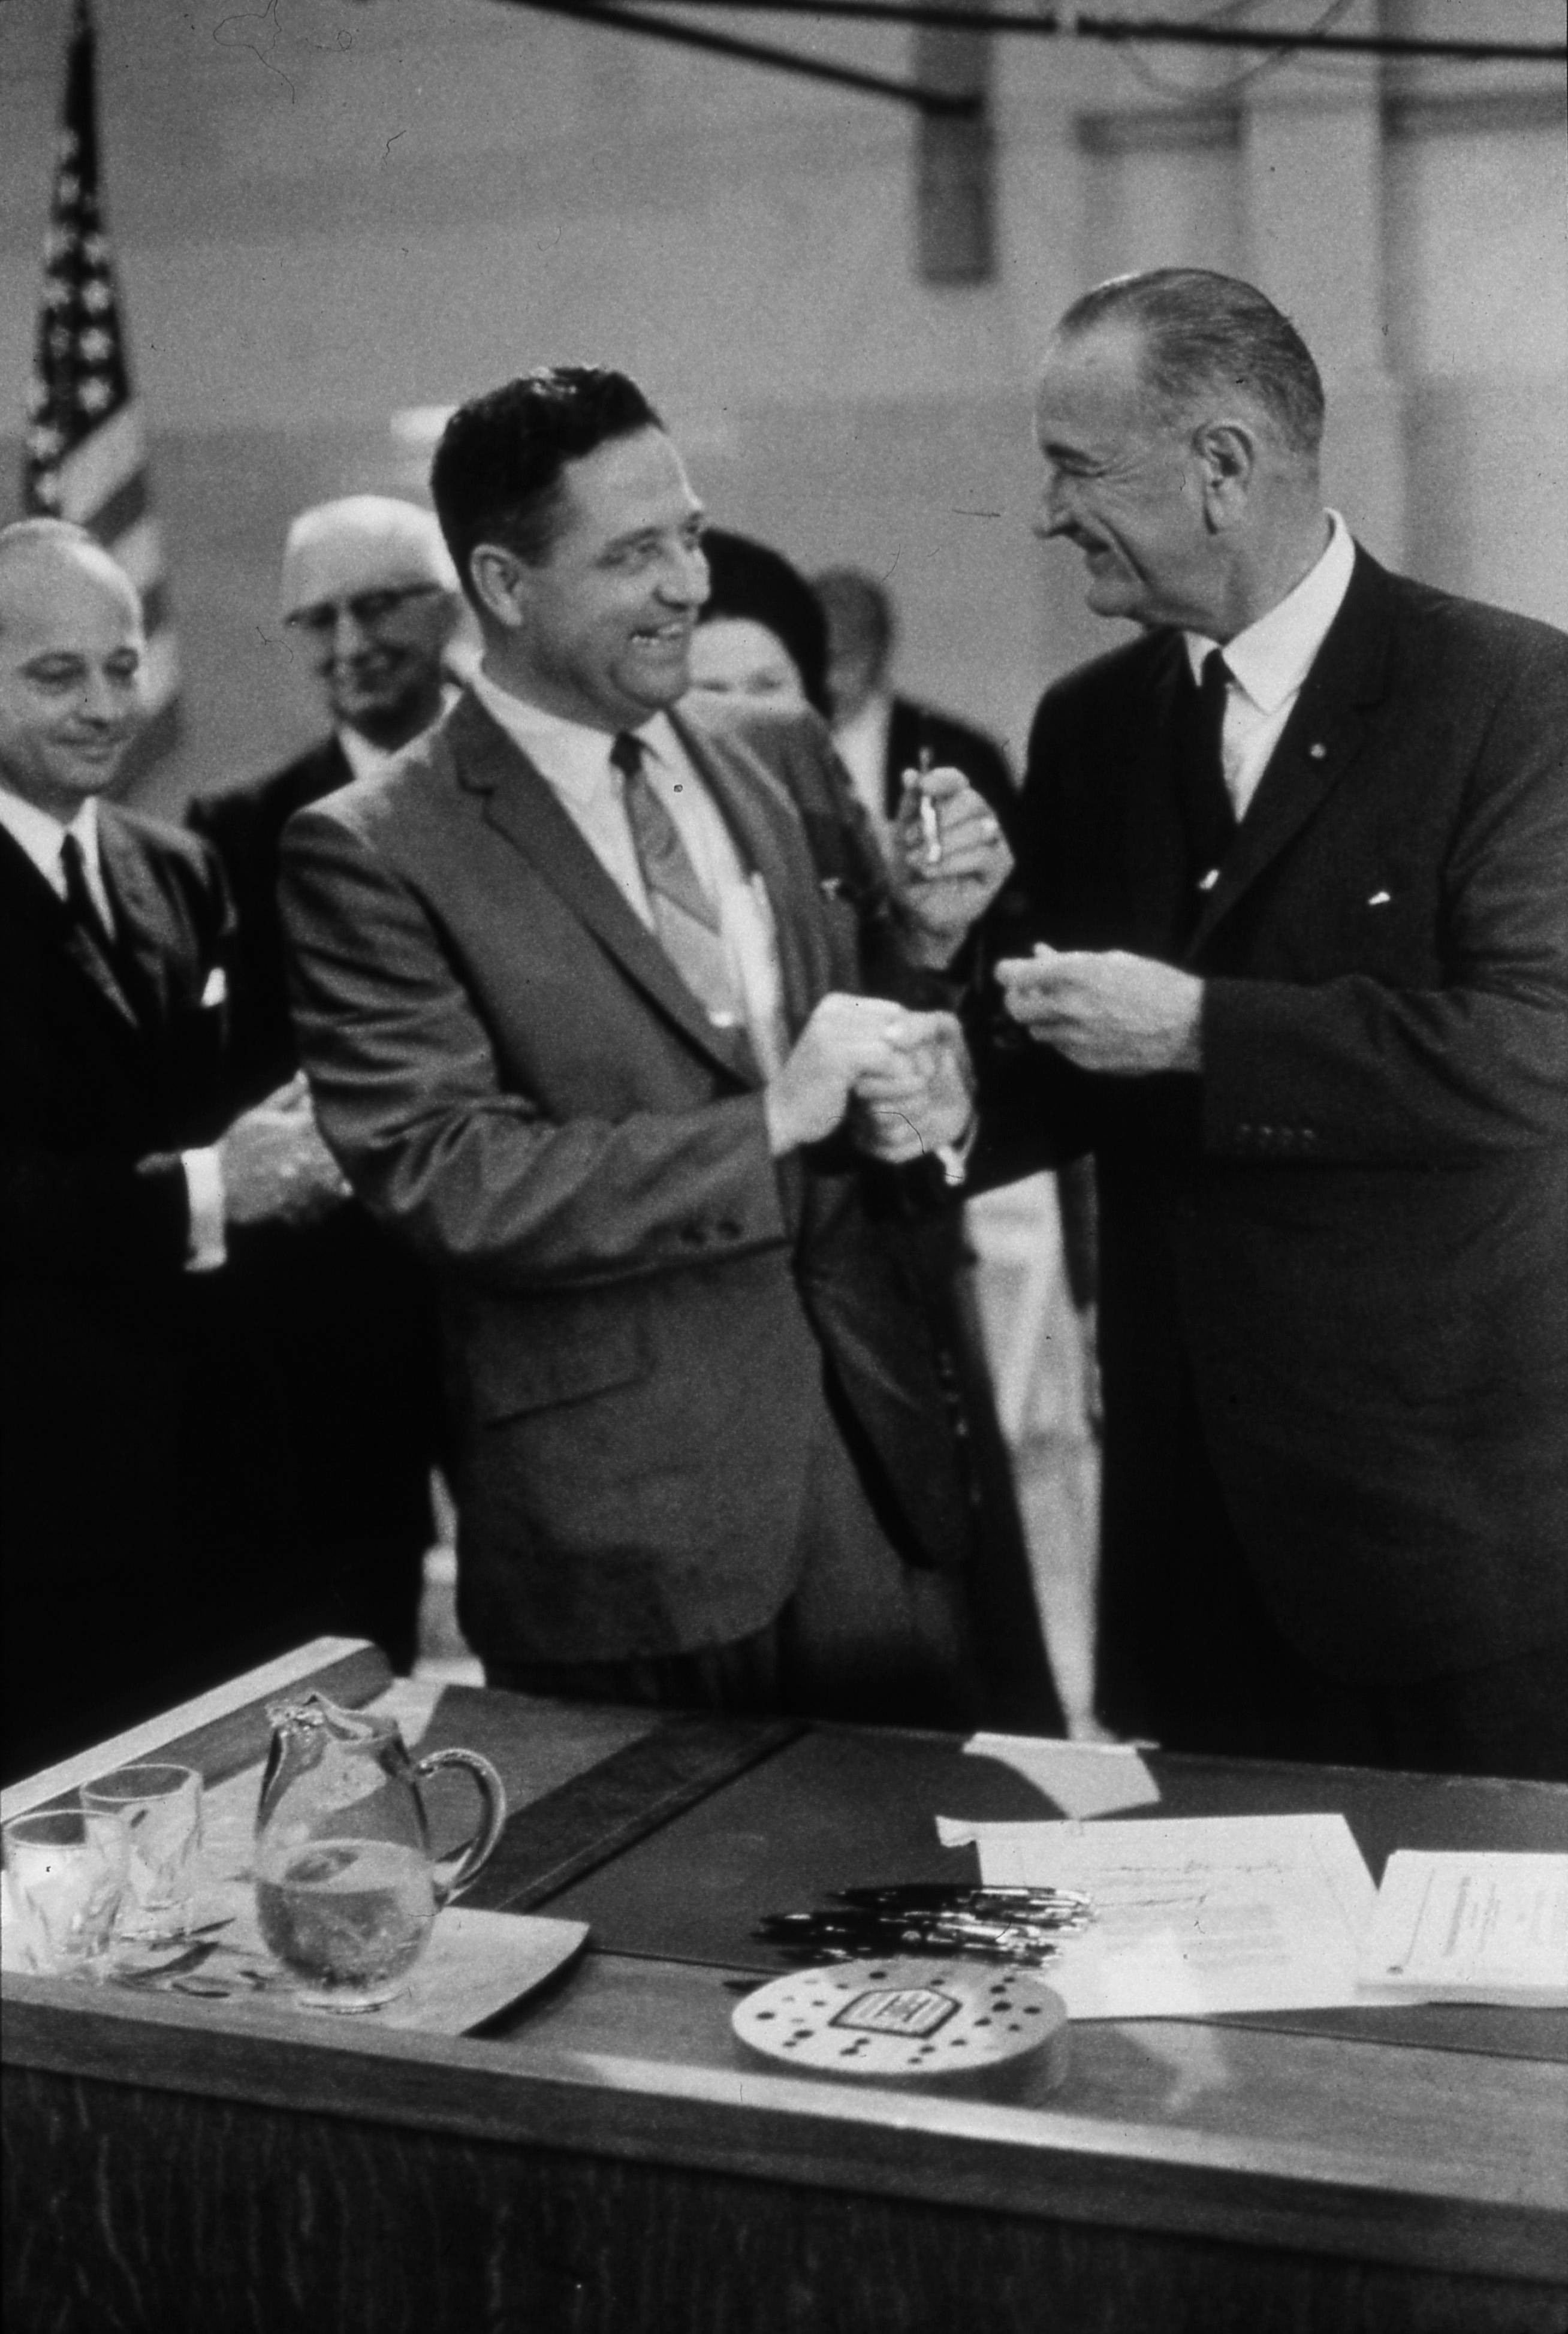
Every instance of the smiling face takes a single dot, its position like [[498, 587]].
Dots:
[[71, 654], [600, 630], [1124, 485]]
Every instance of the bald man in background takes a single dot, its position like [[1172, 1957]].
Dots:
[[337, 1315], [118, 1185]]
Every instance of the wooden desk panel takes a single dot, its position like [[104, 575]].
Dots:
[[608, 2158]]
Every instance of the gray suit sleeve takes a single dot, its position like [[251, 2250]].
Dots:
[[475, 1174]]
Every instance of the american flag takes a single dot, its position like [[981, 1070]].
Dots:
[[86, 452]]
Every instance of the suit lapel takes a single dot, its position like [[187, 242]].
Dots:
[[1319, 742], [141, 920], [33, 896], [762, 816], [523, 807], [1153, 841]]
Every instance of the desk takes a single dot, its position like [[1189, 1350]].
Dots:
[[607, 2157]]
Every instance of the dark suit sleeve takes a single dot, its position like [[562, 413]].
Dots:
[[1355, 1070], [244, 828], [69, 1215], [476, 1175]]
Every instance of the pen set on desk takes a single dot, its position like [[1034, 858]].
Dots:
[[1027, 1925]]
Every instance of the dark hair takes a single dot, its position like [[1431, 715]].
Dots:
[[758, 585], [1203, 332], [861, 604], [496, 477]]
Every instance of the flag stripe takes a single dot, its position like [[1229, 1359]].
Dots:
[[123, 510], [94, 470], [140, 550]]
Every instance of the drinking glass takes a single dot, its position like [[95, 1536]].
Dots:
[[66, 1868], [160, 1805]]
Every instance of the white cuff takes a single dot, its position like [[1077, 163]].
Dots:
[[206, 1249], [953, 1158]]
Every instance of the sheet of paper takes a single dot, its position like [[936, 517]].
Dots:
[[1458, 1927], [1196, 1915], [1084, 1779]]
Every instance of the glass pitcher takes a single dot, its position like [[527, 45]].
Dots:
[[347, 1889]]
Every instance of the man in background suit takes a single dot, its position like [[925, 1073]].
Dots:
[[1301, 984], [116, 1184], [882, 735], [577, 983], [338, 1315]]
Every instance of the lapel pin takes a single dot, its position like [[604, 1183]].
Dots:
[[1207, 882], [1317, 749], [1380, 899]]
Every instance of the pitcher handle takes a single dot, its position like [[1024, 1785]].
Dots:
[[493, 1792]]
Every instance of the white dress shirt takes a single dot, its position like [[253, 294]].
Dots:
[[573, 760], [42, 837], [1270, 661], [863, 749]]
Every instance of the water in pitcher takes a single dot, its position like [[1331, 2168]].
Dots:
[[348, 1917]]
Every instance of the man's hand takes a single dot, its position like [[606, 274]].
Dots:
[[847, 1041], [949, 861], [1107, 1010], [275, 1167], [924, 1104]]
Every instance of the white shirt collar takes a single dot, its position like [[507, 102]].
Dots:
[[1271, 659], [572, 755], [365, 760], [40, 835]]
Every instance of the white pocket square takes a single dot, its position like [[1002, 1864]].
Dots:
[[216, 989], [1380, 899]]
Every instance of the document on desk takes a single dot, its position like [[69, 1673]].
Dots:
[[1458, 1927], [1197, 1915]]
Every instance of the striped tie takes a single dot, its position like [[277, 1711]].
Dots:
[[686, 921]]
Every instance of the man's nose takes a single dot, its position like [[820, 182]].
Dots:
[[1053, 513], [685, 583], [349, 636], [105, 699]]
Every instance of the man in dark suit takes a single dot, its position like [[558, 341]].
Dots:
[[116, 1182], [578, 984], [337, 1316], [1301, 983], [882, 735]]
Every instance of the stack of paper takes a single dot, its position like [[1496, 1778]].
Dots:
[[1472, 1928]]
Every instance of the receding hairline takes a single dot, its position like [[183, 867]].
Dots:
[[1199, 338], [34, 546]]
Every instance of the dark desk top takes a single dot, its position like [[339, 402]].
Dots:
[[1431, 2139]]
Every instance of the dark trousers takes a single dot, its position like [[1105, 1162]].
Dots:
[[1189, 1658]]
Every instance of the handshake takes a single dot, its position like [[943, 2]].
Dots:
[[902, 1079]]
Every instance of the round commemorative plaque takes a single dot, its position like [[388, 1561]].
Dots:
[[911, 2019]]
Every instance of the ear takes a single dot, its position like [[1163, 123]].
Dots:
[[501, 580], [1227, 454]]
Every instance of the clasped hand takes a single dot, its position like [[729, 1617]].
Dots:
[[275, 1167], [1104, 1009], [901, 1078], [949, 860]]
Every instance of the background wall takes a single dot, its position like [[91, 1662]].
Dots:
[[327, 213]]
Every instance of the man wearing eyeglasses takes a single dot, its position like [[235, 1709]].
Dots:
[[337, 1314]]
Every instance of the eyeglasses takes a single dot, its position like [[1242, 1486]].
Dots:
[[368, 608]]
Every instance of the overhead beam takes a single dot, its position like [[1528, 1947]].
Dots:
[[935, 104]]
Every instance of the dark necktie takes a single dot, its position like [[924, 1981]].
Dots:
[[79, 902], [686, 921], [1207, 813]]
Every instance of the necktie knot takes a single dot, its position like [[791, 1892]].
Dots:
[[626, 755]]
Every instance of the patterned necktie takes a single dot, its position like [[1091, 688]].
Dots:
[[1207, 813], [686, 921]]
